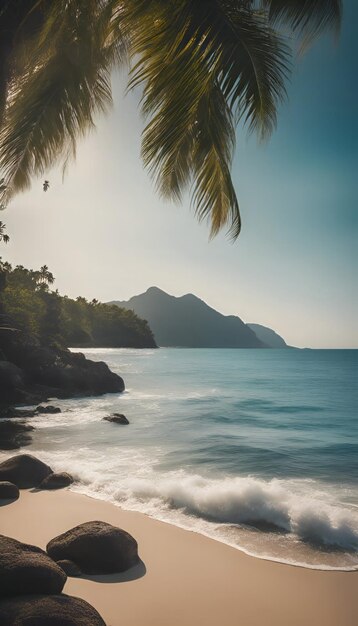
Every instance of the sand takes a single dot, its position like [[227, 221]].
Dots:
[[185, 579]]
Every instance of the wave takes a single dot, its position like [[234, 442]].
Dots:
[[296, 510], [252, 502]]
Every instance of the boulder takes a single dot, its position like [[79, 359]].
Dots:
[[48, 409], [24, 470], [57, 480], [55, 610], [14, 435], [26, 569], [96, 548], [117, 418], [69, 567], [8, 491]]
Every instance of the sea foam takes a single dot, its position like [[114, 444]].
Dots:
[[299, 509]]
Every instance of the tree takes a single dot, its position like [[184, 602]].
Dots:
[[44, 277], [3, 236], [202, 66]]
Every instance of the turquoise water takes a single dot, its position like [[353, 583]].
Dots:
[[257, 448]]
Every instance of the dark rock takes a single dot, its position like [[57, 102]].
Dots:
[[8, 491], [48, 409], [14, 435], [11, 412], [96, 548], [56, 481], [69, 567], [24, 470], [31, 373], [54, 610], [11, 379], [75, 374], [117, 418], [26, 569]]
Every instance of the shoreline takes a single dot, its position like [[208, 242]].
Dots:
[[221, 540], [185, 578]]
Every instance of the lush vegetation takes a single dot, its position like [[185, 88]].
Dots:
[[202, 66], [26, 299]]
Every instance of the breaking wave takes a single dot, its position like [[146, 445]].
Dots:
[[295, 510]]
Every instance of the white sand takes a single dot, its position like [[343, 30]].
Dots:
[[186, 579]]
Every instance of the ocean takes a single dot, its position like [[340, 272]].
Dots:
[[254, 448]]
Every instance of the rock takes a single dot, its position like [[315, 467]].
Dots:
[[117, 418], [26, 569], [56, 481], [96, 548], [14, 435], [48, 409], [24, 470], [11, 412], [54, 610], [69, 567], [8, 491], [73, 373], [11, 379], [30, 373]]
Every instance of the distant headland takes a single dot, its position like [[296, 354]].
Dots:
[[187, 321]]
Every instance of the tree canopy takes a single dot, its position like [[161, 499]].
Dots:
[[201, 65], [33, 308]]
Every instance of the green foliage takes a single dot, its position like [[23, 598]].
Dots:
[[25, 297], [202, 66]]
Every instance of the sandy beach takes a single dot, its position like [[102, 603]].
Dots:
[[185, 579]]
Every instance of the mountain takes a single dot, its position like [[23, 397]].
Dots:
[[268, 336], [189, 322]]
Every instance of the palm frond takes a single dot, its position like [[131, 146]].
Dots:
[[214, 195], [18, 18], [202, 66], [62, 87], [308, 18], [188, 57]]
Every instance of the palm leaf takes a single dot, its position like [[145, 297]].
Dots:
[[308, 18], [201, 65], [227, 60], [66, 82]]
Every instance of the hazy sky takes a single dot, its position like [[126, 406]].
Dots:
[[105, 234]]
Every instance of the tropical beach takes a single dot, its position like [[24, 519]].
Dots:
[[178, 384], [185, 578]]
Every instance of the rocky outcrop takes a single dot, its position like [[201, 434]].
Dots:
[[96, 548], [10, 412], [24, 470], [54, 610], [11, 379], [26, 569], [8, 491], [48, 409], [56, 481], [14, 435], [30, 372], [117, 418]]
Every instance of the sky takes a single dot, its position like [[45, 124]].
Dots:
[[105, 233]]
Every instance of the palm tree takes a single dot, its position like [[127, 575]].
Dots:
[[45, 277], [3, 236], [201, 65]]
